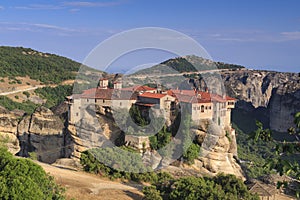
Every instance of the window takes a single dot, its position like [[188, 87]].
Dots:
[[202, 108], [209, 107], [120, 103], [103, 100], [206, 107], [77, 114], [87, 100]]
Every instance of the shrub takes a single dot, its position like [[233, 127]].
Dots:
[[22, 179]]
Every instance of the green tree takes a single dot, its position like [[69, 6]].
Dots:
[[286, 164], [22, 179], [151, 193], [191, 153]]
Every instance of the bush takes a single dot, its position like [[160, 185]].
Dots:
[[151, 193], [192, 153], [22, 179], [221, 187], [9, 104], [54, 95], [27, 94]]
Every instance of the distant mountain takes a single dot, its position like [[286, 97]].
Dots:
[[45, 67], [189, 63]]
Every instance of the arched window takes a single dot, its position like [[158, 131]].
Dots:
[[202, 108]]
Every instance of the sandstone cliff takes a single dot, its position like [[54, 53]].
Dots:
[[95, 129], [218, 149], [276, 91], [42, 133], [271, 97], [8, 129]]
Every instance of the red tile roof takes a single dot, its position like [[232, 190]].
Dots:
[[152, 95], [97, 93], [108, 94], [203, 97], [139, 88], [230, 98]]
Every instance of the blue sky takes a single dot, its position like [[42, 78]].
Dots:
[[257, 34]]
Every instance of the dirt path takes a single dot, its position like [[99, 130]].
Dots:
[[22, 90], [84, 186]]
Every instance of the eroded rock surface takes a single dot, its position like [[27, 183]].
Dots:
[[42, 133]]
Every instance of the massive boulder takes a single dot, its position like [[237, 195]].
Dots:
[[42, 133], [284, 103], [218, 149], [95, 129], [8, 129]]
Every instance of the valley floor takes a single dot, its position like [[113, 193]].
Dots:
[[80, 185]]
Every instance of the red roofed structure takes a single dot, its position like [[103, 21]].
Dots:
[[203, 105]]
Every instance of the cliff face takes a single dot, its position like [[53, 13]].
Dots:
[[42, 133], [277, 92], [272, 97], [218, 149], [8, 129], [93, 130]]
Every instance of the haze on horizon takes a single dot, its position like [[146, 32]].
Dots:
[[256, 34]]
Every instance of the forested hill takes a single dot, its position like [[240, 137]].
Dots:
[[195, 63], [45, 67], [189, 63]]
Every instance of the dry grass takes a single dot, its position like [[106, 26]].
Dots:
[[84, 186]]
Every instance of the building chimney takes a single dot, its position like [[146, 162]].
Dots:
[[103, 83], [117, 85]]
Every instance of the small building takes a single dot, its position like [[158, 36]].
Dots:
[[138, 142], [264, 191]]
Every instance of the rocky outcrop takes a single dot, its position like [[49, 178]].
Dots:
[[218, 149], [268, 96], [277, 92], [8, 128], [284, 104], [42, 133], [95, 129]]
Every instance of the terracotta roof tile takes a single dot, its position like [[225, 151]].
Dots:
[[139, 88], [152, 95]]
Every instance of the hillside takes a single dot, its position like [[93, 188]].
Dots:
[[45, 67], [186, 64], [30, 78]]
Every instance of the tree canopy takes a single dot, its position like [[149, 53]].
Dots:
[[22, 179]]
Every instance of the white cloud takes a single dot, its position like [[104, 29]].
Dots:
[[72, 5], [36, 27], [92, 4], [294, 35], [48, 26], [39, 7]]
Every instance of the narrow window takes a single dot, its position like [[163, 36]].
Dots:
[[202, 108]]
